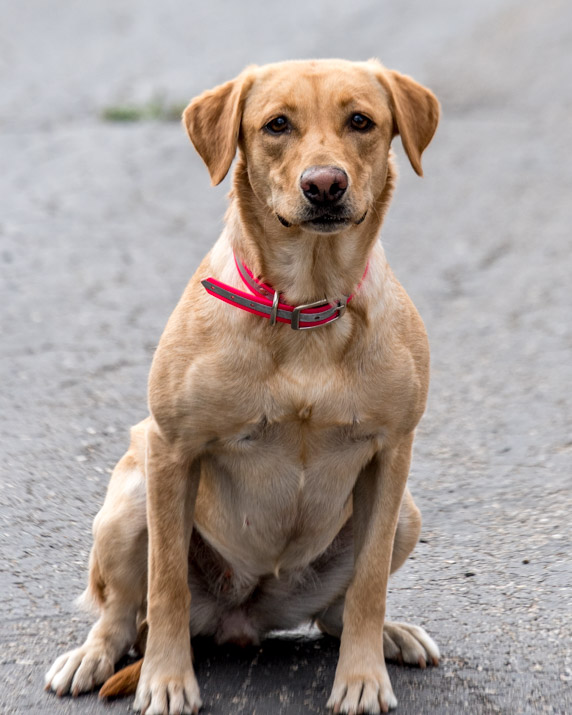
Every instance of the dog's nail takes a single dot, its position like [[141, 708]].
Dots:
[[435, 661], [384, 707], [422, 662]]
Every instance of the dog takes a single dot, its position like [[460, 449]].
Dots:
[[267, 487]]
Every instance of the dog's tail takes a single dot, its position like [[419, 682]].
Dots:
[[123, 683]]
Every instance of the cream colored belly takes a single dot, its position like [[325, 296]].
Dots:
[[273, 500]]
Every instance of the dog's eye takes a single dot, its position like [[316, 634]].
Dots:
[[360, 122], [277, 125]]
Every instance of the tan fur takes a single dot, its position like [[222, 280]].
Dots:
[[268, 485], [122, 683]]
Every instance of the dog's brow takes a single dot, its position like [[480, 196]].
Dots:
[[277, 107], [356, 97]]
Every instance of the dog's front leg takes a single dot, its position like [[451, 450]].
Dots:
[[362, 683], [168, 683]]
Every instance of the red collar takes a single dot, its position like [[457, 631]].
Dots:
[[265, 301]]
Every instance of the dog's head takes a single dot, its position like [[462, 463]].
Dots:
[[315, 135]]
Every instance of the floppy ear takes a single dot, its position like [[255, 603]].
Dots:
[[415, 112], [213, 121]]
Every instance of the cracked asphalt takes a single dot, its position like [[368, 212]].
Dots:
[[101, 225]]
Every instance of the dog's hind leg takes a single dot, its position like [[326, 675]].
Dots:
[[402, 642], [117, 577]]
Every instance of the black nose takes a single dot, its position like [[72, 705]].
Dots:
[[324, 184]]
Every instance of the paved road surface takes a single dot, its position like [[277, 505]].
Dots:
[[102, 223]]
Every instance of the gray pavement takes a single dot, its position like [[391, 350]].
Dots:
[[102, 223]]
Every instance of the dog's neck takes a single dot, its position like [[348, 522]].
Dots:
[[301, 266]]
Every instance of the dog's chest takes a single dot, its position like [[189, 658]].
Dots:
[[316, 410], [282, 481]]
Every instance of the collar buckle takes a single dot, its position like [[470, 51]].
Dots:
[[274, 309], [295, 324]]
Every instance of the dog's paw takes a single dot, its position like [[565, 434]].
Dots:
[[409, 644], [79, 671], [161, 692], [370, 692]]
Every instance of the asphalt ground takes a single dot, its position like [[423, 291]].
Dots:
[[102, 222]]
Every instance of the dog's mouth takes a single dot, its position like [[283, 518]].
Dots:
[[325, 221]]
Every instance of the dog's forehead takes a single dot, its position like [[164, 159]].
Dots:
[[314, 84]]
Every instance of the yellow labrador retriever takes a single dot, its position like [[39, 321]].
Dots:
[[268, 485]]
